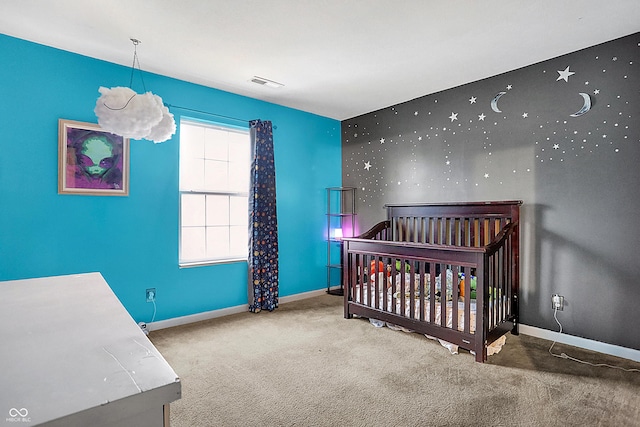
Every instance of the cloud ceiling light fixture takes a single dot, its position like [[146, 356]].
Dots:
[[122, 111]]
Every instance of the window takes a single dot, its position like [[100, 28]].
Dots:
[[214, 193]]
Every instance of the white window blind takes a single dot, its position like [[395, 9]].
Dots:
[[214, 189]]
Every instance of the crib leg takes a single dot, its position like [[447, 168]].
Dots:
[[347, 315], [480, 347]]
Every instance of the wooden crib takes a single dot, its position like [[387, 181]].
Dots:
[[449, 271]]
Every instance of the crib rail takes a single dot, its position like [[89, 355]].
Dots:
[[461, 224]]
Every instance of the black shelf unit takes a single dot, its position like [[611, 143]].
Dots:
[[341, 215]]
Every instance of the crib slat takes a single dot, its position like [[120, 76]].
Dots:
[[364, 278], [422, 271], [510, 280], [384, 283], [401, 292], [454, 297], [376, 291], [443, 295], [467, 310], [354, 280], [385, 288], [393, 289], [475, 242], [467, 299], [503, 281], [443, 231], [412, 289], [432, 292], [433, 230], [498, 290], [506, 274], [503, 287], [466, 230], [493, 295], [492, 229]]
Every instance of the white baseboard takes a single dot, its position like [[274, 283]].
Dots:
[[600, 347], [198, 317], [303, 295]]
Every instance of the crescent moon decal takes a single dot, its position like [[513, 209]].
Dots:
[[494, 102], [585, 107]]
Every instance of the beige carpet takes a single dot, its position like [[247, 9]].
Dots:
[[305, 365]]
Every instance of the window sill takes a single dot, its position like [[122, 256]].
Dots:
[[210, 262]]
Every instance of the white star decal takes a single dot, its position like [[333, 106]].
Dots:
[[472, 100], [453, 116], [367, 165], [556, 146], [481, 117], [415, 114], [509, 87], [525, 115], [564, 75], [448, 162], [381, 140], [486, 175], [597, 91]]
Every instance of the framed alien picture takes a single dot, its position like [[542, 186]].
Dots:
[[91, 160]]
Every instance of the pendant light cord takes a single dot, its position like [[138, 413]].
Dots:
[[136, 61], [135, 42]]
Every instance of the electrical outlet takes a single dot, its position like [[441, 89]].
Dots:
[[557, 302], [151, 294]]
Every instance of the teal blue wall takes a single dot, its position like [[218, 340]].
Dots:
[[133, 241]]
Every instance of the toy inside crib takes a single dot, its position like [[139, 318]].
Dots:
[[378, 267]]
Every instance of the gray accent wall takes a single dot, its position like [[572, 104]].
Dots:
[[562, 135]]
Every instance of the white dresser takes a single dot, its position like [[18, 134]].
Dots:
[[71, 355]]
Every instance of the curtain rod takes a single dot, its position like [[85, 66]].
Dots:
[[206, 112], [212, 114]]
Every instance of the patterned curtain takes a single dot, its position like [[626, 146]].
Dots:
[[263, 222]]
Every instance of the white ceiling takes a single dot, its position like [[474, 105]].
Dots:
[[336, 58]]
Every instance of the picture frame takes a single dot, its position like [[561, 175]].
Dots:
[[91, 161]]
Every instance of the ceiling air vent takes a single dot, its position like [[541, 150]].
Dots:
[[265, 82]]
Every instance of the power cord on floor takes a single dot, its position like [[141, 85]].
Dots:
[[566, 356]]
